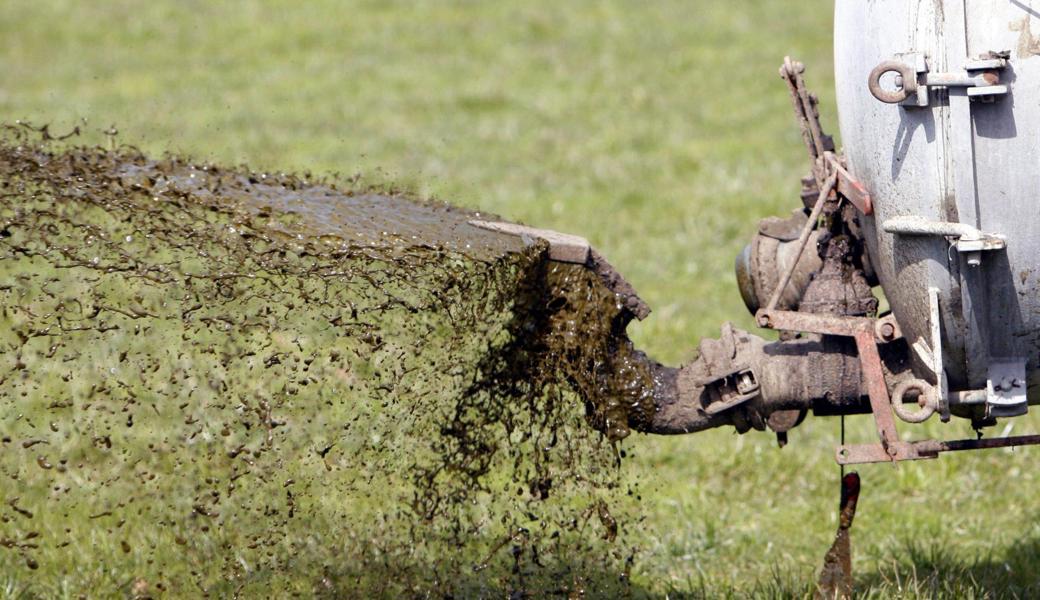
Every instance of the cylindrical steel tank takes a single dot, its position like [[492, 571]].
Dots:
[[954, 172]]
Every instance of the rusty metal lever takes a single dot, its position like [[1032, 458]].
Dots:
[[864, 332]]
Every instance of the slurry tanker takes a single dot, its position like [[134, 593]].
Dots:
[[932, 204]]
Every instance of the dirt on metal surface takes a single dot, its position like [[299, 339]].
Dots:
[[219, 381], [836, 576]]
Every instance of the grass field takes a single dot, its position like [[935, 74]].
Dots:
[[660, 131]]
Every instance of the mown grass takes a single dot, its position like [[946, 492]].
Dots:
[[658, 130]]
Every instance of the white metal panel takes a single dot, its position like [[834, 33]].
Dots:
[[956, 160]]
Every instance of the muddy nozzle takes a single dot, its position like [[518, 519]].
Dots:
[[737, 379], [573, 249]]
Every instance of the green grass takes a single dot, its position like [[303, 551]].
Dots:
[[660, 131]]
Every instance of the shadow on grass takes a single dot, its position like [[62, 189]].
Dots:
[[929, 569], [356, 577], [557, 580], [922, 569]]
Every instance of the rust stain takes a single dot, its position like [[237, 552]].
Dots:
[[1028, 44]]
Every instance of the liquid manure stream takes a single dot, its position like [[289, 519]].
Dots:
[[216, 381]]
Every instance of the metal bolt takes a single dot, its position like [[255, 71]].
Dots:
[[888, 331]]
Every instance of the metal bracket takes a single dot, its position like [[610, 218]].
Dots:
[[980, 76], [970, 241], [937, 356], [850, 187], [864, 331], [931, 355], [1006, 388]]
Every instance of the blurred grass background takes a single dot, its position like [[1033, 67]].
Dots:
[[660, 131]]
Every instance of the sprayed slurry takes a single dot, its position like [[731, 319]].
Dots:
[[220, 380]]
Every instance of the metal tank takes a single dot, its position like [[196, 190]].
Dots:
[[939, 110]]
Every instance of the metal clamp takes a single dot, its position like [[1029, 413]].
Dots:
[[731, 389], [1006, 388], [980, 76]]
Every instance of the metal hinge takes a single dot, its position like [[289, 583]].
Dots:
[[981, 77]]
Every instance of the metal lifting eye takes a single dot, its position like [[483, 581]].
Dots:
[[979, 77], [907, 82], [926, 399]]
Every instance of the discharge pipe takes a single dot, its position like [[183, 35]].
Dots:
[[744, 381]]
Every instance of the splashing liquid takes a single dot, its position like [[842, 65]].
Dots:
[[220, 381]]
